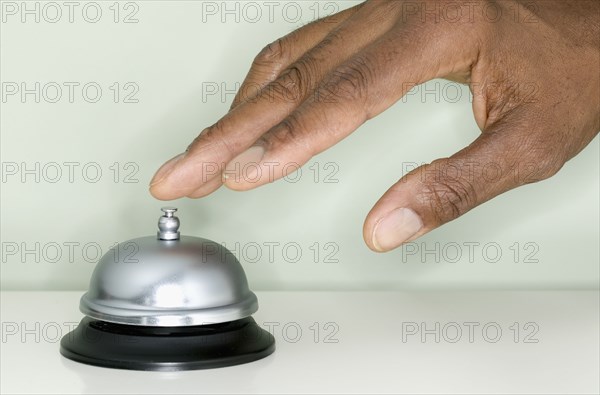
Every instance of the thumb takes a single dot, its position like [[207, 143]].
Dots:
[[502, 158]]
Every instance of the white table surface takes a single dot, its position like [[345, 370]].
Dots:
[[370, 355]]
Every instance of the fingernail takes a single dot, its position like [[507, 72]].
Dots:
[[165, 170], [395, 228], [244, 167]]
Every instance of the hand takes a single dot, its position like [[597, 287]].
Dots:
[[533, 69]]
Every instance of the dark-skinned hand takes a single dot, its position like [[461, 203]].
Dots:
[[533, 68]]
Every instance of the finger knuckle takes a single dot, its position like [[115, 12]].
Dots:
[[306, 71], [214, 136], [286, 133], [447, 199], [274, 53], [351, 80], [290, 86]]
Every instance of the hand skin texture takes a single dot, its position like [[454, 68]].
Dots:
[[533, 68]]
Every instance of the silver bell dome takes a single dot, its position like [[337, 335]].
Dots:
[[168, 280]]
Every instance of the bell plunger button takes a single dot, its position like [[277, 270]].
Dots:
[[168, 225]]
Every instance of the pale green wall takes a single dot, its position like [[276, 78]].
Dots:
[[169, 54]]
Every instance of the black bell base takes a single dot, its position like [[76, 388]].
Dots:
[[134, 347]]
